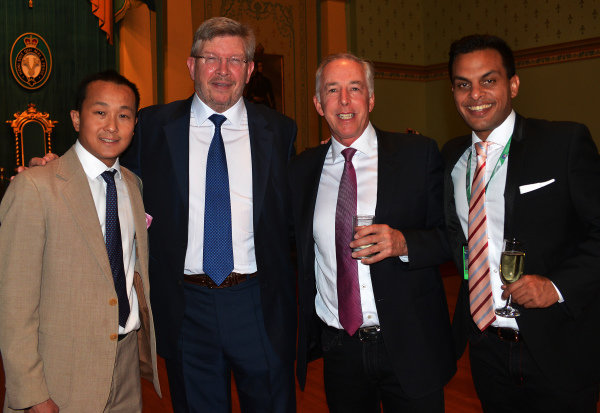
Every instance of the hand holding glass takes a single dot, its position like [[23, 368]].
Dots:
[[361, 221], [512, 263]]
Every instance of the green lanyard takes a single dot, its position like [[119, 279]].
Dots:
[[499, 164]]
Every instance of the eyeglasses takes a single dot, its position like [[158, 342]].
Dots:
[[214, 61]]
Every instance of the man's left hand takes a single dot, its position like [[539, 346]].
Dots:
[[388, 242], [531, 291]]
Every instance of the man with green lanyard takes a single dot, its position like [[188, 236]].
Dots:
[[537, 182]]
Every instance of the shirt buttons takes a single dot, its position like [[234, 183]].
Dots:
[[369, 317], [114, 337], [363, 286], [113, 302]]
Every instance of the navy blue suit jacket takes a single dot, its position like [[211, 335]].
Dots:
[[409, 297], [159, 154]]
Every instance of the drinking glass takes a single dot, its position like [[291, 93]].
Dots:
[[512, 263], [361, 221]]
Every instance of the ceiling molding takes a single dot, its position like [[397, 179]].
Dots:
[[535, 56]]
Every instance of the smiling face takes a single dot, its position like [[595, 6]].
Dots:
[[106, 120], [344, 100], [482, 91], [221, 86]]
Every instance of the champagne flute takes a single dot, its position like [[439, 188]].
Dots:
[[512, 263]]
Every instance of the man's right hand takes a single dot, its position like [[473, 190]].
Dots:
[[49, 157], [45, 407]]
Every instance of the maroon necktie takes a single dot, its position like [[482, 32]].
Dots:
[[349, 309]]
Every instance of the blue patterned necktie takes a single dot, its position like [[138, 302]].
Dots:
[[114, 245], [349, 307], [218, 249]]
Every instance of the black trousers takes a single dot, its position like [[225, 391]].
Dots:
[[507, 379], [359, 378]]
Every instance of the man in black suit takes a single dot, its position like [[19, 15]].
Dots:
[[543, 188], [389, 340], [207, 327]]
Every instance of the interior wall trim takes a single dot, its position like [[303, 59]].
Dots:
[[535, 56]]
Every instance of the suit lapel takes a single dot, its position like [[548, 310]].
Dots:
[[452, 156], [139, 219], [78, 198], [261, 147], [516, 163], [313, 178], [177, 133], [387, 167]]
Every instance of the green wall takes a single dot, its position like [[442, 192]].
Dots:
[[78, 48]]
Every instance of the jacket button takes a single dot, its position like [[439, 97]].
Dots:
[[114, 337], [113, 302]]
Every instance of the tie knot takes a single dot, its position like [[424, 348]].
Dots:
[[109, 176], [481, 148], [348, 153], [217, 119]]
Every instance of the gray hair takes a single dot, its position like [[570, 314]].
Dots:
[[222, 26], [367, 67]]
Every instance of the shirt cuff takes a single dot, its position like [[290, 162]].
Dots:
[[404, 258], [560, 297]]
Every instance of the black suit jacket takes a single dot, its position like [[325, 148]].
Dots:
[[159, 154], [409, 297], [559, 225]]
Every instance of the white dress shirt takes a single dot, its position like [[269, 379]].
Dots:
[[365, 163], [93, 168], [236, 139], [494, 204]]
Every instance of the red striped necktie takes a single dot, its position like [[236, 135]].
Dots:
[[480, 288]]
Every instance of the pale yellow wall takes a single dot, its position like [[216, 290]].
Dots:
[[137, 57], [179, 35], [399, 105], [567, 91], [419, 32], [333, 27], [389, 31]]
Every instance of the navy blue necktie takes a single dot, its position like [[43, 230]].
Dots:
[[218, 249], [114, 246]]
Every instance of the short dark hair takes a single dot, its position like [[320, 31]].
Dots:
[[106, 76], [476, 42]]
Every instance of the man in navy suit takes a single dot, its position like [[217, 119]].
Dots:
[[390, 342], [208, 327], [542, 187]]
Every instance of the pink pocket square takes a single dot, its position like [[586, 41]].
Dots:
[[148, 220]]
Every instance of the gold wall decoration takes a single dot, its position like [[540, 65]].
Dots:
[[30, 60], [23, 119]]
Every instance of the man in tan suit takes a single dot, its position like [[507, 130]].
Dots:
[[76, 329]]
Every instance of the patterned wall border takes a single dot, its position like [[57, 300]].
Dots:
[[536, 56]]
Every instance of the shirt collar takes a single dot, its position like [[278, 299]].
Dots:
[[92, 166], [366, 144], [501, 134], [201, 112]]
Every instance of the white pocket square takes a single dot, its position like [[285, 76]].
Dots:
[[523, 189]]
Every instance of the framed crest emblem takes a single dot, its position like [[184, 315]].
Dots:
[[30, 61]]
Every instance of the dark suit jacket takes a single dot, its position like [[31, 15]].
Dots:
[[409, 297], [159, 155], [559, 225]]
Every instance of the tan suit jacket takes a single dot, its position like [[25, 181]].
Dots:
[[58, 306]]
